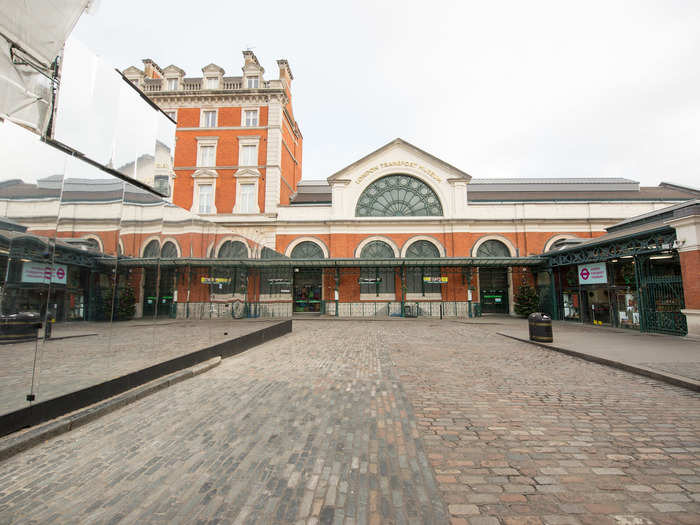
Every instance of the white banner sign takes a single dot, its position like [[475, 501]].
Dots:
[[41, 273], [592, 273]]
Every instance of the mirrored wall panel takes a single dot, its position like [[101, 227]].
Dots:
[[107, 119]]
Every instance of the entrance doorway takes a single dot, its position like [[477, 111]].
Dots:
[[493, 283], [307, 290], [158, 300]]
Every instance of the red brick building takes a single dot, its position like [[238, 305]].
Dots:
[[239, 147]]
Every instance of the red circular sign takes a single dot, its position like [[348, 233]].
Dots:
[[585, 274], [60, 273]]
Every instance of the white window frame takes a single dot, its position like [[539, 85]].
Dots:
[[168, 80], [209, 79], [251, 79], [202, 120], [253, 208], [199, 198], [243, 141], [204, 177], [243, 117], [171, 113], [242, 161], [247, 175], [206, 142]]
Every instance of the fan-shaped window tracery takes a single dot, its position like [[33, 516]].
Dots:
[[377, 250], [233, 250], [422, 250], [493, 248], [397, 196], [168, 251], [307, 250]]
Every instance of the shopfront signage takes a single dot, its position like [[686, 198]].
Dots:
[[595, 273], [216, 280], [435, 280], [43, 273]]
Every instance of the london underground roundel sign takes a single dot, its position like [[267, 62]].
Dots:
[[594, 273]]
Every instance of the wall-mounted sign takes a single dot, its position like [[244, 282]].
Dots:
[[216, 280], [435, 280], [363, 280], [594, 273], [43, 273], [279, 282]]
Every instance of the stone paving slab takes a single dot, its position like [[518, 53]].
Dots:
[[665, 355], [353, 422], [78, 359]]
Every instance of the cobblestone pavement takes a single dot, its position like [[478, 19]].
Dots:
[[525, 435], [378, 422], [101, 353]]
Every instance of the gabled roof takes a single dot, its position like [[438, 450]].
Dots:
[[405, 145], [213, 67], [173, 67], [132, 70]]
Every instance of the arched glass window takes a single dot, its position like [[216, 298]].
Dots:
[[377, 280], [307, 250], [169, 251], [414, 276], [397, 196], [493, 248], [94, 245], [377, 250], [233, 250], [422, 250], [152, 250]]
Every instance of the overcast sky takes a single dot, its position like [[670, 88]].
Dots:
[[498, 89]]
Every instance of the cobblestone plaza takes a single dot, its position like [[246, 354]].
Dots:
[[378, 422]]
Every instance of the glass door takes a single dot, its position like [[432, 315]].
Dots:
[[307, 290]]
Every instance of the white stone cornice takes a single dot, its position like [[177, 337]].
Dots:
[[221, 99]]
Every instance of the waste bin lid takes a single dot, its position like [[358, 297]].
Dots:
[[538, 316]]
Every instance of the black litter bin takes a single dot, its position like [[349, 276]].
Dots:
[[540, 326], [22, 326]]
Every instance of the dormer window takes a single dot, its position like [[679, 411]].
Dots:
[[172, 84], [253, 82], [212, 83]]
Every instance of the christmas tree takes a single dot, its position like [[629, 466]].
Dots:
[[526, 300]]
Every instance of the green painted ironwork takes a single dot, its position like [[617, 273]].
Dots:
[[492, 248], [398, 196], [422, 250], [382, 277], [307, 250], [603, 250], [661, 300], [233, 250]]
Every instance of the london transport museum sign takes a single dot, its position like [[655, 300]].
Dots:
[[592, 273]]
